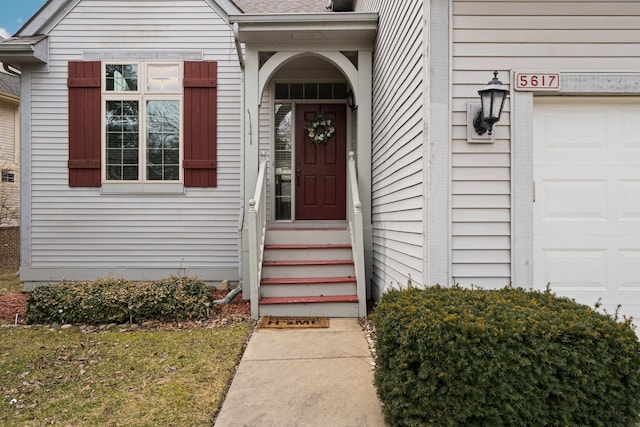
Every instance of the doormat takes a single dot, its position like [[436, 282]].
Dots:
[[280, 322]]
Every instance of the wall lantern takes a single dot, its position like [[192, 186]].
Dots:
[[351, 100], [492, 98]]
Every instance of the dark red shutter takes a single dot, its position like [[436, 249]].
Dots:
[[84, 124], [200, 123]]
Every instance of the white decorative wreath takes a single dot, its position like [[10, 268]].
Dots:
[[320, 129]]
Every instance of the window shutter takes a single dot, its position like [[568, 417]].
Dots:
[[84, 124], [200, 123]]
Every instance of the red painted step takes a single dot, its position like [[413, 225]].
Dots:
[[310, 246], [307, 262], [307, 229], [307, 280], [309, 300]]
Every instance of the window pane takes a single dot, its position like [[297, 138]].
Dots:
[[339, 91], [122, 118], [325, 91], [163, 140], [161, 77], [283, 137], [130, 172], [296, 91], [171, 173], [121, 77], [8, 177], [114, 156], [282, 91], [310, 91]]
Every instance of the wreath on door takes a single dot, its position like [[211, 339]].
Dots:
[[320, 129]]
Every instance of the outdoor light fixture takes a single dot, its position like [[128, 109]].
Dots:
[[351, 101], [492, 98]]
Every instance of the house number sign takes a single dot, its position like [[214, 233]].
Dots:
[[537, 81]]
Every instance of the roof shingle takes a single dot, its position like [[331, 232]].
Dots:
[[282, 6], [9, 84]]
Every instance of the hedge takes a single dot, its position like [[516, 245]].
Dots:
[[509, 357], [115, 300]]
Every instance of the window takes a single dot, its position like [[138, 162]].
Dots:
[[142, 122], [311, 91], [283, 137], [142, 127], [8, 176]]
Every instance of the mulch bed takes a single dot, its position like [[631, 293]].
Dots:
[[237, 310], [10, 305]]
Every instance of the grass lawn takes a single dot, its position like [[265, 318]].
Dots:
[[9, 281], [114, 378]]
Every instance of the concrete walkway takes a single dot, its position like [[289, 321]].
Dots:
[[304, 378]]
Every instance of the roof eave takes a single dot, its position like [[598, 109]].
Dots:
[[294, 26], [28, 50], [284, 18]]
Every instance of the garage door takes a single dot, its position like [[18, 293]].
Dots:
[[587, 200]]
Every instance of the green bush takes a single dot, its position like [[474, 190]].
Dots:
[[112, 300], [509, 357]]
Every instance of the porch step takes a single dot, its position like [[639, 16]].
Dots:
[[288, 252], [307, 236], [330, 306], [308, 268], [308, 286], [308, 272]]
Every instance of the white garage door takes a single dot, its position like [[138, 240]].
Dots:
[[587, 207]]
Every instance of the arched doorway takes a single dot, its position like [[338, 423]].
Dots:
[[310, 182]]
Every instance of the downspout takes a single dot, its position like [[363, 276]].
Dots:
[[231, 295], [236, 38]]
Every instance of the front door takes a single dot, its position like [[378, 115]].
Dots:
[[321, 167]]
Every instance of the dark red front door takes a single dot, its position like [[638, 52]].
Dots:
[[321, 169]]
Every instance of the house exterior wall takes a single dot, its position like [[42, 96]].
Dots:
[[398, 147], [9, 161], [79, 233], [491, 183]]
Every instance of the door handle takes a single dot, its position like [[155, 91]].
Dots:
[[298, 173]]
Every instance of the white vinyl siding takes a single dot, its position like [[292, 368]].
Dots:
[[9, 191], [78, 229], [399, 120], [558, 36]]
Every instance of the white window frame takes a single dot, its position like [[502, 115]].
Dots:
[[142, 184], [8, 176]]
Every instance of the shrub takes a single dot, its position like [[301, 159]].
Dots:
[[462, 357], [111, 300]]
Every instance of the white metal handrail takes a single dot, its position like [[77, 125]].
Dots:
[[357, 235], [257, 230]]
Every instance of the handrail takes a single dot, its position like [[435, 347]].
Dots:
[[257, 230], [357, 235]]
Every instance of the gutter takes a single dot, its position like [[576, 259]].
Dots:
[[314, 18]]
